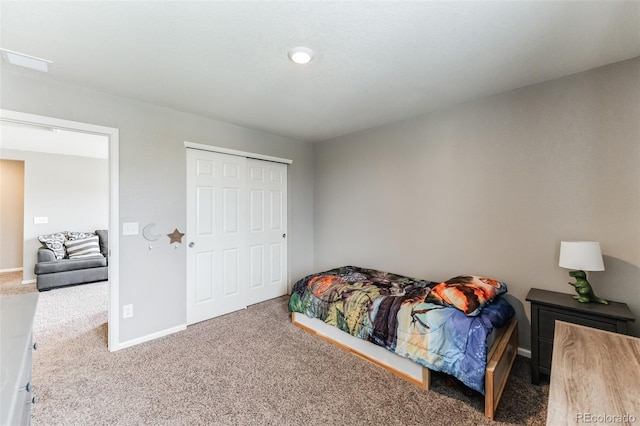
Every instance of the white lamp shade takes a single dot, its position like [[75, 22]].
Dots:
[[581, 255]]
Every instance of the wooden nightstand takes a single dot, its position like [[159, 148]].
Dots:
[[549, 306]]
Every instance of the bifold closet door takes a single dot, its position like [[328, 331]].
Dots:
[[236, 233], [216, 234]]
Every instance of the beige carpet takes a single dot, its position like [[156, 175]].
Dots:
[[250, 367], [11, 283]]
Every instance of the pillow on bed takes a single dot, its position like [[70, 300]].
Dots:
[[469, 293]]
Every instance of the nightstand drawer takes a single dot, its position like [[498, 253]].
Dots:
[[23, 408], [16, 322], [547, 319], [545, 350]]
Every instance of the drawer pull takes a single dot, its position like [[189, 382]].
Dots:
[[26, 387], [33, 400], [35, 346]]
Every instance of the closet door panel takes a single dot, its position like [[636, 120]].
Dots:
[[267, 184], [216, 234]]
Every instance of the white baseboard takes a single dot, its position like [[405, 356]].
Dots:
[[10, 270], [148, 337], [25, 282], [524, 352]]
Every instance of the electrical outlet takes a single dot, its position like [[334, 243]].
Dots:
[[127, 311]]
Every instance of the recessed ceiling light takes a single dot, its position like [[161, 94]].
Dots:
[[301, 55], [22, 60]]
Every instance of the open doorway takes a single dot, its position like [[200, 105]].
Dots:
[[62, 185], [82, 141], [12, 216]]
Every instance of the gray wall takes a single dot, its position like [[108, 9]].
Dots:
[[11, 213], [152, 173], [72, 192], [492, 187]]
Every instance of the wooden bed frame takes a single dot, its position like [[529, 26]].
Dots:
[[499, 359]]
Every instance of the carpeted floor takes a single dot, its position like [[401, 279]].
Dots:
[[11, 283], [251, 367]]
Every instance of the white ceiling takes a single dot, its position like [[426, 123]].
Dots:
[[25, 137], [376, 62]]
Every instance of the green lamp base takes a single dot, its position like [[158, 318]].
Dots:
[[583, 288]]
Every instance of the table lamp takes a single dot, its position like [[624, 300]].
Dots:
[[581, 256]]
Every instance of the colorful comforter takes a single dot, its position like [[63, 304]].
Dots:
[[404, 316]]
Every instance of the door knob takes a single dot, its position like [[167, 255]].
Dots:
[[191, 244]]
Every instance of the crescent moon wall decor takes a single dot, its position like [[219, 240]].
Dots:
[[148, 234]]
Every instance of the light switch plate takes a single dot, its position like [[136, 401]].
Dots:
[[40, 219], [130, 228]]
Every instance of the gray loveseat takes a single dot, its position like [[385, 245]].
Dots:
[[52, 272]]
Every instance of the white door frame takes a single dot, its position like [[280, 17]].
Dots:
[[113, 325]]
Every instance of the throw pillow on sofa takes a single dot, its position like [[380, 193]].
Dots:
[[55, 242], [72, 235], [83, 247]]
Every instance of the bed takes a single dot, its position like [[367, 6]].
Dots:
[[461, 327]]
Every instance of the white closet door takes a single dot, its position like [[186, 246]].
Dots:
[[267, 244], [216, 234]]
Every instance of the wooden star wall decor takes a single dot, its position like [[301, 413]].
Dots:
[[175, 237]]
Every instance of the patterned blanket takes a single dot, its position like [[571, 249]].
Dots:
[[400, 314]]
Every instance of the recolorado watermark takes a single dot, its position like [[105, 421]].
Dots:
[[605, 418]]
